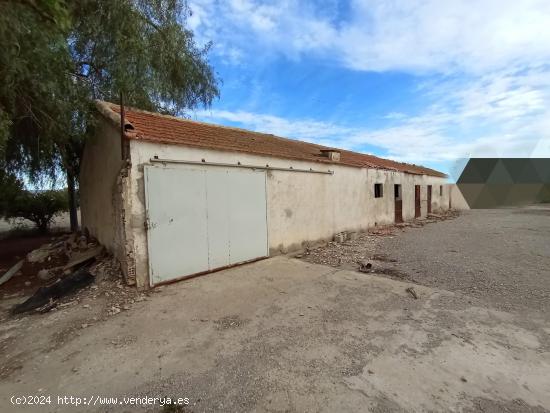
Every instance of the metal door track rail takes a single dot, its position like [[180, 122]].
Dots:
[[239, 165]]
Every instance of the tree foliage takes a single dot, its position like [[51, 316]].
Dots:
[[33, 66], [39, 207], [58, 56]]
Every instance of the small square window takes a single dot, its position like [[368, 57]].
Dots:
[[378, 191], [397, 191], [440, 190]]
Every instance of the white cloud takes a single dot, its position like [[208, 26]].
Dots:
[[434, 35], [491, 95], [417, 35], [303, 129]]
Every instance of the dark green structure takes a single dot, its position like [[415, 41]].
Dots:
[[502, 182]]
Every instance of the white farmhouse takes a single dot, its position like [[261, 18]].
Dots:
[[173, 198]]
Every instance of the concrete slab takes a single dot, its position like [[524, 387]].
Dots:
[[286, 335]]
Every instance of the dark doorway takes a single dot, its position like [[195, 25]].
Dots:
[[429, 199], [398, 204], [417, 201]]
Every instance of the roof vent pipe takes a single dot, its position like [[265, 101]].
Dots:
[[122, 129]]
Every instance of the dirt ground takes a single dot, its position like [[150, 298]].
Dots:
[[500, 256], [285, 334]]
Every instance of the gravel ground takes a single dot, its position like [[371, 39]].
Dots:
[[498, 256]]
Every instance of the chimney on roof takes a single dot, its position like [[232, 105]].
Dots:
[[331, 153]]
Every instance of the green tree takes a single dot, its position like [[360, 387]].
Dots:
[[39, 207], [60, 56], [33, 69]]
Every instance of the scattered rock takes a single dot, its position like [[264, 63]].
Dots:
[[46, 274], [229, 322], [365, 267], [340, 237], [383, 231], [39, 255], [412, 292], [352, 236], [114, 310]]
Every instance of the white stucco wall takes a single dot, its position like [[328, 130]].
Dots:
[[302, 207], [101, 164]]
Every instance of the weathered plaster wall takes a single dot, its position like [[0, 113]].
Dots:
[[104, 195], [302, 207], [100, 167]]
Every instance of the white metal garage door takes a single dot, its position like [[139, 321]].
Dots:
[[201, 219]]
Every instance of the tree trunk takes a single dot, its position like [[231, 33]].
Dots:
[[72, 201], [42, 227]]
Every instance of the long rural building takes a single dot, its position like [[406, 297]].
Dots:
[[172, 198]]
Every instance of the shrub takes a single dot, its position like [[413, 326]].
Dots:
[[39, 207]]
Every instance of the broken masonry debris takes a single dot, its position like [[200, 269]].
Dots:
[[12, 271], [78, 258], [340, 237], [40, 254], [46, 274], [70, 284]]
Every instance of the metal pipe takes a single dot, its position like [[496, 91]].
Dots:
[[122, 122], [239, 165]]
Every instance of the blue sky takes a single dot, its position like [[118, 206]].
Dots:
[[422, 81]]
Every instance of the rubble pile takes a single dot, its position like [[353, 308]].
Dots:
[[442, 216], [383, 231], [354, 250], [69, 269], [107, 268], [346, 253]]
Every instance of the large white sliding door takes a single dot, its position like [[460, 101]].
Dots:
[[204, 218]]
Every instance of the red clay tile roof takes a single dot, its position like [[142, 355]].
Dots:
[[154, 127]]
